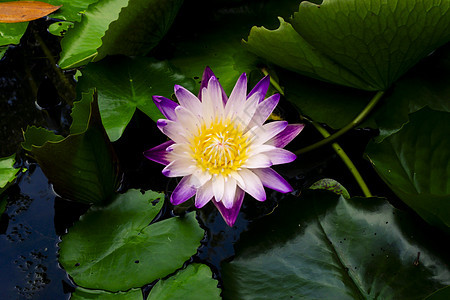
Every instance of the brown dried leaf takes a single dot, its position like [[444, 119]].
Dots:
[[23, 11]]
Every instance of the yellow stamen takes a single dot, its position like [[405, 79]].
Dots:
[[220, 148]]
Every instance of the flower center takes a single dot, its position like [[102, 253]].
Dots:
[[221, 148]]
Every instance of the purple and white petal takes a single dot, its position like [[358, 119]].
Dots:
[[187, 99], [179, 167], [253, 185], [286, 136], [238, 95], [229, 192], [230, 215], [182, 192], [172, 129], [262, 87], [238, 178], [261, 134], [280, 156], [166, 107], [273, 180], [190, 123], [159, 153], [207, 74], [200, 177], [245, 113], [204, 194], [264, 109]]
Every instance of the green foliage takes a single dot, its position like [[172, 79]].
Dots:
[[363, 44], [124, 84], [115, 240], [332, 186], [441, 294], [350, 249], [117, 27], [83, 166], [87, 294], [59, 28], [71, 10], [193, 283], [7, 173], [415, 163]]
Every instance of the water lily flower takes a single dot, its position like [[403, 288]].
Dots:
[[221, 146]]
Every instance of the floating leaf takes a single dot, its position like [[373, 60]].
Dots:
[[110, 27], [87, 294], [332, 186], [195, 282], [23, 11], [298, 55], [364, 44], [82, 167], [115, 240], [7, 172], [124, 84], [59, 28], [71, 10], [415, 163], [322, 247]]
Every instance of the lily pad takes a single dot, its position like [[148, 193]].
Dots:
[[332, 186], [7, 172], [86, 294], [59, 28], [70, 10], [124, 84], [195, 282], [110, 27], [415, 163], [321, 247], [82, 167], [115, 240]]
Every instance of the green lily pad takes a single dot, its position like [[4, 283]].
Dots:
[[322, 247], [117, 27], [86, 294], [375, 40], [415, 163], [70, 10], [124, 84], [82, 167], [59, 28], [7, 172], [286, 48], [115, 240], [331, 185], [195, 282], [10, 34]]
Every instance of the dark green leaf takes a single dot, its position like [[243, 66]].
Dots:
[[415, 163], [117, 27], [193, 283], [38, 136], [115, 240], [377, 41], [321, 247], [82, 167], [124, 84], [442, 294], [71, 10], [86, 294], [332, 186], [81, 112]]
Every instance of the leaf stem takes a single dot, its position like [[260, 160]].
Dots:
[[359, 118], [328, 138], [339, 151]]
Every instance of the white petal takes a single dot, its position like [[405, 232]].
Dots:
[[258, 161], [173, 130], [218, 184], [253, 185], [238, 95], [179, 167], [200, 177], [264, 109], [187, 120], [238, 179], [244, 114], [229, 192], [258, 135]]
